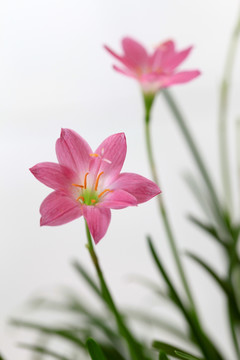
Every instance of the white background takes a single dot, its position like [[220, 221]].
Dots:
[[54, 73]]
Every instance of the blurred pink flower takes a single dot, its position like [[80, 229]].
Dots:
[[153, 71], [89, 183]]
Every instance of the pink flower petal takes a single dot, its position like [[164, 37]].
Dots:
[[73, 151], [58, 209], [164, 50], [112, 153], [135, 53], [138, 186], [167, 46], [118, 57], [98, 220], [126, 72], [118, 199], [171, 62], [55, 176], [178, 78]]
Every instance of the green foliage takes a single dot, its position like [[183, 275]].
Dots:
[[43, 351], [174, 351], [95, 350], [163, 356]]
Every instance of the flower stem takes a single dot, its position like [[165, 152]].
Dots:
[[164, 214], [223, 110], [134, 347]]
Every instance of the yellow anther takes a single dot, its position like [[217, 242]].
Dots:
[[80, 186], [93, 201], [104, 192], [94, 155], [85, 180], [97, 180], [80, 197]]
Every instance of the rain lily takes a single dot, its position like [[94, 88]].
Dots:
[[88, 183], [153, 71]]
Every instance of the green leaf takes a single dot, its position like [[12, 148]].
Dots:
[[207, 347], [58, 332], [186, 356], [194, 150], [43, 351], [88, 279], [224, 285], [148, 283], [94, 350], [221, 282], [200, 194], [111, 353], [174, 351], [152, 320], [163, 356], [210, 229], [74, 305], [1, 358]]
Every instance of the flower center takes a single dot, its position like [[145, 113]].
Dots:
[[90, 196]]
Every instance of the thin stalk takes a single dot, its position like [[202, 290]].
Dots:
[[133, 346], [164, 214], [223, 112]]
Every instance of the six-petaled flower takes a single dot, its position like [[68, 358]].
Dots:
[[88, 183], [156, 70]]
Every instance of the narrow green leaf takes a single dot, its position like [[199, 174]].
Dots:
[[214, 275], [199, 194], [208, 348], [174, 351], [221, 282], [163, 356], [148, 283], [74, 305], [146, 318], [94, 350], [1, 358], [185, 356], [43, 351], [58, 332], [111, 353], [233, 329], [88, 279], [194, 150], [210, 229]]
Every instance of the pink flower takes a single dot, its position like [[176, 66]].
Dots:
[[89, 183], [153, 71]]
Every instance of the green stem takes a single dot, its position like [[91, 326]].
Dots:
[[134, 347], [223, 110], [163, 211]]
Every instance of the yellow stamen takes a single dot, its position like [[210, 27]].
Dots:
[[81, 186], [80, 197], [103, 192], [85, 180], [97, 181], [93, 201], [94, 155]]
